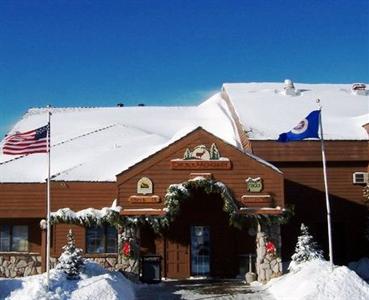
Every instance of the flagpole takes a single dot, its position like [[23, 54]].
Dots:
[[328, 206], [48, 204]]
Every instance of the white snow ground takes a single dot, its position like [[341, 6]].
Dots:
[[315, 281], [95, 284]]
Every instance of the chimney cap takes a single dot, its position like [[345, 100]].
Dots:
[[288, 84]]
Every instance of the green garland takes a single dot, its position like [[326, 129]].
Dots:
[[175, 196], [178, 193], [87, 217]]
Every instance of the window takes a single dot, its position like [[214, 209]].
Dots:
[[101, 239], [13, 238]]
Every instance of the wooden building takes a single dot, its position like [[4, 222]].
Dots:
[[213, 172]]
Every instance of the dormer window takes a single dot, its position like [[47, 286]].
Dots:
[[359, 89]]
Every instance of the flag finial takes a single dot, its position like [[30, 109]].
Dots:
[[319, 104]]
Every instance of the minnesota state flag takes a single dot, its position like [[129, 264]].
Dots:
[[307, 128]]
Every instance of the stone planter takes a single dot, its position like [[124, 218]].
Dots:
[[250, 277]]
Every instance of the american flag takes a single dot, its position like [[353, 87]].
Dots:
[[33, 141]]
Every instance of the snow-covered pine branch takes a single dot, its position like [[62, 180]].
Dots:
[[306, 249]]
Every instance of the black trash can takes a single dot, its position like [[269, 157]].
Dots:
[[150, 269]]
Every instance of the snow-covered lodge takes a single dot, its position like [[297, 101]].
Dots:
[[195, 181]]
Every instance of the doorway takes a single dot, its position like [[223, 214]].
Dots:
[[200, 250]]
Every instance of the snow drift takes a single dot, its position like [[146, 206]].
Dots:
[[316, 281], [95, 283]]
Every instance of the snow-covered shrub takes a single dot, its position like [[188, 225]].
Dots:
[[71, 260], [306, 249]]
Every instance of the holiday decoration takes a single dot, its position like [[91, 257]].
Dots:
[[178, 193], [89, 216], [270, 248], [126, 249], [70, 261], [306, 249]]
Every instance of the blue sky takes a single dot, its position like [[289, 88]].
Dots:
[[99, 53]]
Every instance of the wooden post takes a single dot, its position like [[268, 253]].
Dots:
[[43, 246]]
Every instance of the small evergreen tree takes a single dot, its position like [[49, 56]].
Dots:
[[306, 249], [187, 154], [71, 260], [214, 152]]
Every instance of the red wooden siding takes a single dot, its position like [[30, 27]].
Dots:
[[158, 169]]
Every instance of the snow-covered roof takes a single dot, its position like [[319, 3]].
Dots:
[[95, 144], [266, 111]]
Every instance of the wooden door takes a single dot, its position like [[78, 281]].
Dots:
[[177, 260]]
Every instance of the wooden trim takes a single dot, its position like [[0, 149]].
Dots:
[[258, 211], [246, 144], [257, 201], [205, 175], [142, 212], [309, 152]]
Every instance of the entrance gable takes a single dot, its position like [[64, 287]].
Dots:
[[199, 153]]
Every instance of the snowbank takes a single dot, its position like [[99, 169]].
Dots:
[[316, 281], [95, 283], [361, 268]]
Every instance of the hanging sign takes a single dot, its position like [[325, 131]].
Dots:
[[254, 185], [144, 186]]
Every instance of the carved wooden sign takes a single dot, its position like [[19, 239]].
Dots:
[[254, 185], [257, 200], [200, 164], [144, 199], [144, 186], [201, 158]]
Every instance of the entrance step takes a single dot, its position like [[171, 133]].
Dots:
[[200, 289]]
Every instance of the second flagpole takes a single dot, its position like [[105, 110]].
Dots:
[[328, 206]]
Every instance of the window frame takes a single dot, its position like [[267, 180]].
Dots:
[[12, 240], [105, 228]]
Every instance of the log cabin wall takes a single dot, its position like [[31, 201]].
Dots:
[[28, 200], [158, 169], [175, 246], [26, 204], [78, 196], [304, 189]]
